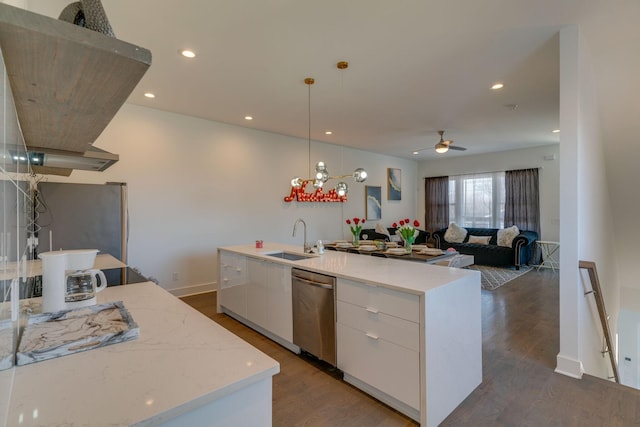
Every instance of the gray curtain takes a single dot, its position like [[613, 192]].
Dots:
[[522, 201], [436, 203]]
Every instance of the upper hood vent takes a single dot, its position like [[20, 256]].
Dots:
[[94, 159], [58, 162]]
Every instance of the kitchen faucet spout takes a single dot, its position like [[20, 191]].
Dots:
[[306, 248]]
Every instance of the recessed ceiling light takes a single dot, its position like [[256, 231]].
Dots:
[[556, 131], [188, 53], [248, 118], [497, 86], [328, 132], [149, 95], [415, 152]]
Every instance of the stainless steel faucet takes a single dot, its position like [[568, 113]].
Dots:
[[307, 248]]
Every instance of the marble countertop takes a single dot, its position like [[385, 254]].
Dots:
[[409, 276], [180, 361]]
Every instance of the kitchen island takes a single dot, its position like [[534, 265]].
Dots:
[[407, 333], [183, 369]]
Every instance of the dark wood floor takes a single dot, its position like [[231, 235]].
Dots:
[[520, 333]]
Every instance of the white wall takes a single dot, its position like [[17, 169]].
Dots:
[[507, 160], [585, 214], [195, 185]]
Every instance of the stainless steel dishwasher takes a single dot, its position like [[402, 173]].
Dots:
[[314, 319]]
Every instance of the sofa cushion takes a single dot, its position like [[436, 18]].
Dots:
[[455, 233], [480, 240], [506, 236]]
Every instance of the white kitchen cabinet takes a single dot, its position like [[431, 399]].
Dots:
[[257, 304], [378, 342], [259, 291], [232, 291], [269, 297], [409, 334], [279, 306]]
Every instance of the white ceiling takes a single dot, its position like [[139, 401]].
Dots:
[[416, 66]]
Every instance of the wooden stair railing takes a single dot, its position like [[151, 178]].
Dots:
[[602, 312]]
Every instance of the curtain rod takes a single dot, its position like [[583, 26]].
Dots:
[[480, 173]]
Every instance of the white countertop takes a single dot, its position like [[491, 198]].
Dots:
[[410, 276], [181, 361]]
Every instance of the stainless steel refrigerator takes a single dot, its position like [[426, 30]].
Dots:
[[82, 216]]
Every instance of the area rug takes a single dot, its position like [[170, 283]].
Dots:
[[494, 277]]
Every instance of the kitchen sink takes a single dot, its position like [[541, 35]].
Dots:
[[290, 256]]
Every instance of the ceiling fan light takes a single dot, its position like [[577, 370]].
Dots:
[[441, 148]]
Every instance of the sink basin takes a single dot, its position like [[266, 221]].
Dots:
[[290, 256]]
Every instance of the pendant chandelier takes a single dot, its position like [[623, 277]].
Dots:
[[298, 184]]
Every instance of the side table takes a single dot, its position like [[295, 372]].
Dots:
[[548, 248]]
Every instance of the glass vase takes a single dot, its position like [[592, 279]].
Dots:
[[356, 240], [408, 242]]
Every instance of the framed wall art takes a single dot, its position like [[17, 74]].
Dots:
[[373, 205], [394, 184]]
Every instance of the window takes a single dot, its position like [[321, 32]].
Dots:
[[477, 200]]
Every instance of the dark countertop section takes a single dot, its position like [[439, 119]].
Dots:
[[115, 277]]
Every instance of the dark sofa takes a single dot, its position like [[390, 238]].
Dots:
[[371, 234], [518, 254]]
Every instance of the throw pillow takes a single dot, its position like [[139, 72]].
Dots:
[[380, 229], [455, 233], [479, 240], [506, 236]]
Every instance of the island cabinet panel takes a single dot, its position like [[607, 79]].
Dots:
[[269, 297], [259, 292], [232, 292], [378, 342], [280, 309]]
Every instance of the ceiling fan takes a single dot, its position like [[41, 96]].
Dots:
[[444, 146]]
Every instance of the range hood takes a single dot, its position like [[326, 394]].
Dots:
[[59, 162], [94, 159], [68, 82]]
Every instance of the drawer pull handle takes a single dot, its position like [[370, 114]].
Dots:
[[372, 310], [373, 337]]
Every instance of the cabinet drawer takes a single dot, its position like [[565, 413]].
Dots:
[[383, 300], [390, 368], [380, 325]]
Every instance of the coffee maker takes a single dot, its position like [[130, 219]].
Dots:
[[68, 280]]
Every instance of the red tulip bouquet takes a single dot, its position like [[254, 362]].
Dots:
[[356, 228], [407, 231]]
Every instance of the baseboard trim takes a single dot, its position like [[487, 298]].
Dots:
[[570, 367], [193, 289]]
